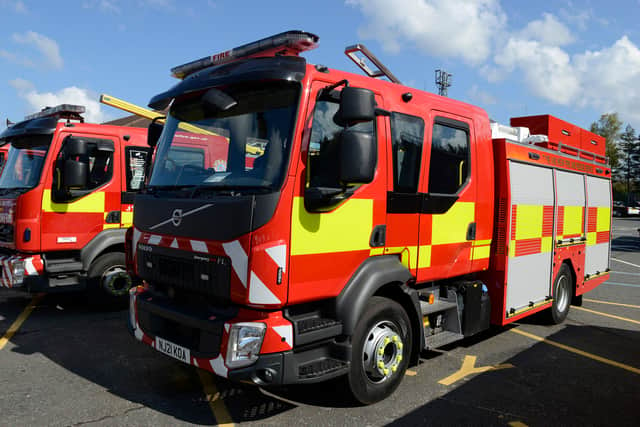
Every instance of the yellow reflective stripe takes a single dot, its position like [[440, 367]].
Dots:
[[546, 245], [348, 228], [408, 254], [572, 220], [480, 252], [126, 218], [424, 256], [536, 305], [481, 242], [592, 238], [107, 226], [529, 221], [512, 248], [451, 227], [604, 219], [91, 203]]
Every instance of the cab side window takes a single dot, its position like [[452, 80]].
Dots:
[[323, 162], [407, 138], [136, 163], [449, 165], [99, 157]]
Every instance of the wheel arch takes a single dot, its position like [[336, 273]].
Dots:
[[380, 276], [111, 240]]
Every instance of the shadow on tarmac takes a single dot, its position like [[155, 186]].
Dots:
[[548, 386]]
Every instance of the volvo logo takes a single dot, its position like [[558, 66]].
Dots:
[[176, 217]]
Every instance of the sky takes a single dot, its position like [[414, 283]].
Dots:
[[574, 59]]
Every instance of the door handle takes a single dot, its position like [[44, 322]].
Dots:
[[378, 236], [471, 231]]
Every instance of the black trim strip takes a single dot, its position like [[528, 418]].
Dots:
[[425, 203]]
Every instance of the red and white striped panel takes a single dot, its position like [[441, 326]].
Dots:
[[33, 266]]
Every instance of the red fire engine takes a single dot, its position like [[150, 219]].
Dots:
[[66, 199], [379, 220]]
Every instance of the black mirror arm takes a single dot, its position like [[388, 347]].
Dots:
[[382, 112]]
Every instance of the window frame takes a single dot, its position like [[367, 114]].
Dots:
[[454, 124]]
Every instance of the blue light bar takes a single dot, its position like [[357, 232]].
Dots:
[[63, 110], [287, 43]]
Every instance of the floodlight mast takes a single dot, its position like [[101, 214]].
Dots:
[[443, 81]]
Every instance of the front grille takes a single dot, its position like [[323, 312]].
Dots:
[[6, 233], [204, 274], [159, 318]]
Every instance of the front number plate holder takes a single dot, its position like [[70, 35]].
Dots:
[[174, 350]]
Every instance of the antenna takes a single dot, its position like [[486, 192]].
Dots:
[[443, 81]]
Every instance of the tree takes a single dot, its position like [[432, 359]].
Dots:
[[610, 127], [629, 160]]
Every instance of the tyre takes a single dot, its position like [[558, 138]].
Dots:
[[381, 349], [108, 281], [562, 295]]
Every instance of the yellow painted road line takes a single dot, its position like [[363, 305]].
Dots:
[[608, 315], [216, 403], [578, 351], [625, 262], [517, 424], [411, 373], [20, 320], [611, 303], [468, 368]]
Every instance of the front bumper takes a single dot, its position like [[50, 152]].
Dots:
[[205, 333], [278, 363], [30, 269]]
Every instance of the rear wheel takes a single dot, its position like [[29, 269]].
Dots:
[[108, 280], [562, 294], [381, 350]]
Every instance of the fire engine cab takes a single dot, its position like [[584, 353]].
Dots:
[[66, 199], [379, 220]]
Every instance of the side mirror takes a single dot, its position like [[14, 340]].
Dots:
[[357, 157], [153, 134], [75, 147], [356, 105], [75, 174]]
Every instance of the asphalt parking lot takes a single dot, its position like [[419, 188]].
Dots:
[[63, 364]]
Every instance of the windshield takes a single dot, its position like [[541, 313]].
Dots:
[[24, 164], [243, 145]]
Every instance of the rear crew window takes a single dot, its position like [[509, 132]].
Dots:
[[449, 165], [408, 136]]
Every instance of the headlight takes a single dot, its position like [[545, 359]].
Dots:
[[17, 271], [245, 340]]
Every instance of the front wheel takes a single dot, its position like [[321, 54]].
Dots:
[[381, 350], [562, 294], [108, 281]]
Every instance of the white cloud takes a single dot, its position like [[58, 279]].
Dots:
[[108, 6], [548, 31], [463, 29], [46, 46], [611, 79], [481, 97], [547, 70], [69, 95], [16, 6], [16, 59]]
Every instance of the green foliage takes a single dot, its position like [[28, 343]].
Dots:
[[610, 126], [623, 150]]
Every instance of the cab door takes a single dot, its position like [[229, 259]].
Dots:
[[70, 219], [447, 211], [405, 162]]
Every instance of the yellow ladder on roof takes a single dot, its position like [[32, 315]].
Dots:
[[112, 101]]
